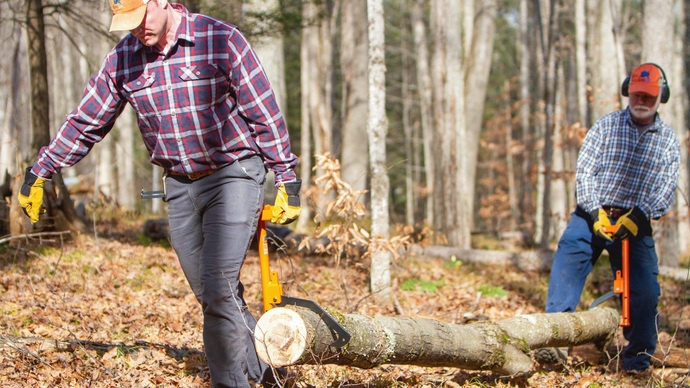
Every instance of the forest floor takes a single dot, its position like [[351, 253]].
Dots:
[[112, 309]]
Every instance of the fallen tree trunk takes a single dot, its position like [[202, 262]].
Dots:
[[535, 260], [286, 336]]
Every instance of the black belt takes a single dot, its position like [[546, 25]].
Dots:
[[615, 212]]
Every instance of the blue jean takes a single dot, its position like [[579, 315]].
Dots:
[[212, 222], [577, 253]]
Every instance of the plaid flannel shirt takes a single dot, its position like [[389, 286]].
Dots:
[[204, 104], [618, 167]]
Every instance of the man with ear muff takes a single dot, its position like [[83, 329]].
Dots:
[[627, 172]]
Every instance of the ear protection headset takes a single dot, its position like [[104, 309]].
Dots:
[[665, 91]]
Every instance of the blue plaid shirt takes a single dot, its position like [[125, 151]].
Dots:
[[618, 167], [202, 105]]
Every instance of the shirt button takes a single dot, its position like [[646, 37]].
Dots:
[[169, 87], [173, 113]]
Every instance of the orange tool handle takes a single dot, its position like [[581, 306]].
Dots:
[[621, 285], [271, 288]]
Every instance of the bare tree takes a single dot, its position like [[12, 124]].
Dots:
[[425, 97], [526, 133], [476, 75], [605, 70], [316, 85], [267, 41], [353, 63], [661, 46], [377, 128], [445, 210], [38, 68]]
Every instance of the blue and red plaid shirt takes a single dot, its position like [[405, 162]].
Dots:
[[204, 104], [619, 167]]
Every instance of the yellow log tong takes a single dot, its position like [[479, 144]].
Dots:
[[272, 290]]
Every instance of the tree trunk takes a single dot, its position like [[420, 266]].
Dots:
[[316, 58], [127, 193], [353, 60], [444, 166], [661, 49], [306, 70], [526, 133], [285, 336], [602, 43], [581, 62], [38, 69], [425, 96], [269, 48], [377, 128], [8, 124], [60, 208], [476, 83]]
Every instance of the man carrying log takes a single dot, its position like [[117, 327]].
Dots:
[[627, 171]]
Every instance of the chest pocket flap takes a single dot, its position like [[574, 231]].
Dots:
[[197, 72], [142, 82]]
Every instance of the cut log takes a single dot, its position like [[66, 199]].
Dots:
[[288, 336]]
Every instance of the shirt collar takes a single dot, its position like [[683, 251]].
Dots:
[[653, 128]]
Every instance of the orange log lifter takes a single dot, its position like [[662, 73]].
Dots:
[[621, 284]]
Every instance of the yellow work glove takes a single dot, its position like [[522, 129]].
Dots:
[[600, 221], [628, 223], [287, 205], [31, 196]]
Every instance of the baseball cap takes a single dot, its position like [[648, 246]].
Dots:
[[646, 78], [127, 14]]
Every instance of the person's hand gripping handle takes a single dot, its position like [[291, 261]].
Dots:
[[31, 196], [287, 204]]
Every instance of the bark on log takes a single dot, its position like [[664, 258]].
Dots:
[[287, 336]]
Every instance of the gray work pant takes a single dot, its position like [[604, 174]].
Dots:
[[212, 222]]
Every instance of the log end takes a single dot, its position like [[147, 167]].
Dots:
[[280, 337]]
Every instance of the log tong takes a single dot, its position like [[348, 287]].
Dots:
[[621, 284], [272, 290]]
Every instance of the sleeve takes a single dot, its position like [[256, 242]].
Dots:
[[258, 106], [88, 124], [663, 195]]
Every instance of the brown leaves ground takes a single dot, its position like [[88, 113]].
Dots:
[[113, 312]]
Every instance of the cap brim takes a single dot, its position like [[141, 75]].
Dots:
[[128, 21], [641, 87]]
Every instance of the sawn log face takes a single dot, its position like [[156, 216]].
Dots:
[[285, 337]]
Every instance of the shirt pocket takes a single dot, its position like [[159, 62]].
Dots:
[[204, 84], [141, 95]]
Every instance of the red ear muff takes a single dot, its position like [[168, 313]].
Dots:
[[665, 90]]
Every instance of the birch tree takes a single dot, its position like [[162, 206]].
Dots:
[[377, 128]]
